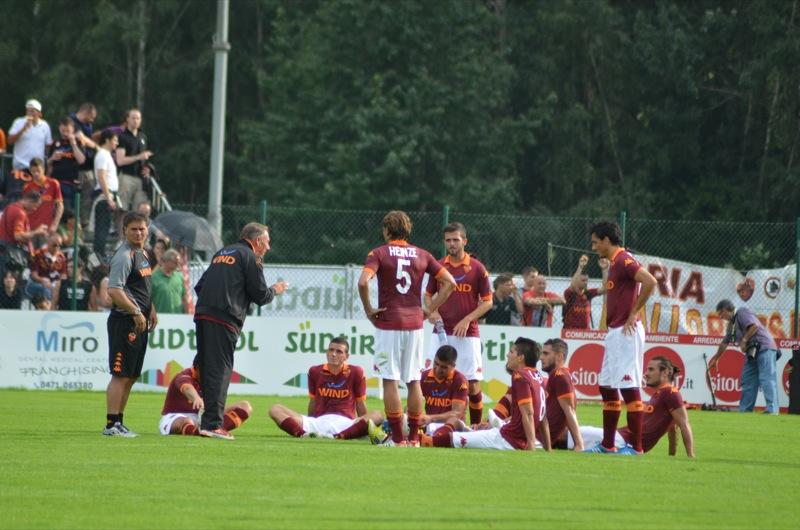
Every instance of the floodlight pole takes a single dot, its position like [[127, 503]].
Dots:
[[221, 49]]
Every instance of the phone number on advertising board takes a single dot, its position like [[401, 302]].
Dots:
[[67, 385]]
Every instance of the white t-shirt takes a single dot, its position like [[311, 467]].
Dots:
[[103, 160], [32, 144]]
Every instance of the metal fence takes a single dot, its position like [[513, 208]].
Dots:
[[507, 243]]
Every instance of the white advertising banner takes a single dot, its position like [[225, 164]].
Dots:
[[62, 350]]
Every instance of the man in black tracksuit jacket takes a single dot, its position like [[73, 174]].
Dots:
[[233, 281]]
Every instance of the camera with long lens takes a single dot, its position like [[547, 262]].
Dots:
[[753, 347]]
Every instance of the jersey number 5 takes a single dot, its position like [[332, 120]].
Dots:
[[404, 283]]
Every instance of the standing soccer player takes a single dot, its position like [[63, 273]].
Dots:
[[628, 287], [400, 268], [128, 327], [460, 313], [233, 280]]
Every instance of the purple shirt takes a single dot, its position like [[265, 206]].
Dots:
[[742, 319]]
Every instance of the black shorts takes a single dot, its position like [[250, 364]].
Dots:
[[126, 348]]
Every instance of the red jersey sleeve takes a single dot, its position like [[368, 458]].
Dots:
[[561, 383], [360, 383], [460, 388], [313, 374]]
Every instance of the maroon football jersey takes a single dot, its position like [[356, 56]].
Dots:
[[440, 394], [559, 386], [578, 308], [336, 393], [472, 286], [622, 290], [657, 416], [526, 387], [400, 268], [175, 400], [49, 265]]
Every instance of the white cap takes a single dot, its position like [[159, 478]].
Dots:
[[33, 103]]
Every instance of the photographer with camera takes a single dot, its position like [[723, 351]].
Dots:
[[760, 351]]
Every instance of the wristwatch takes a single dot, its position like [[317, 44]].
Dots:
[[137, 311]]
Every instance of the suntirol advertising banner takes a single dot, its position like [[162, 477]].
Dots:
[[69, 351]]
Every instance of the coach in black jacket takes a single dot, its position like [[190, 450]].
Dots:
[[233, 281]]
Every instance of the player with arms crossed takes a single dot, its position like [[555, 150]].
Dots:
[[527, 410], [460, 313], [621, 370], [337, 400], [665, 413], [400, 268], [184, 402]]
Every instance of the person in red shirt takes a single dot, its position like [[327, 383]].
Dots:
[[400, 268], [665, 413], [621, 369], [445, 390], [337, 400], [527, 410], [578, 299], [184, 403], [51, 208], [538, 304], [471, 298], [15, 226]]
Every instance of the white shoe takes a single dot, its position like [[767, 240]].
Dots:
[[461, 426]]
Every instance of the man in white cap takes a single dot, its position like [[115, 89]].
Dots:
[[30, 135]]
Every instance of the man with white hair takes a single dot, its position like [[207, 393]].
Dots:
[[30, 135]]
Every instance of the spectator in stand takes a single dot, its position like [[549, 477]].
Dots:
[[169, 290], [105, 203], [15, 225], [67, 232], [48, 265], [539, 303], [528, 275], [84, 130], [40, 302], [131, 154], [578, 307], [99, 278], [11, 186], [153, 233], [67, 154], [158, 250], [30, 135], [505, 304], [10, 293], [85, 293], [51, 208]]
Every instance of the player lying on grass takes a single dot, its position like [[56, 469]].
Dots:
[[560, 401], [665, 413], [445, 391], [337, 405], [527, 410], [184, 402]]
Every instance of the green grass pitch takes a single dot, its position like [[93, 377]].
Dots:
[[57, 471]]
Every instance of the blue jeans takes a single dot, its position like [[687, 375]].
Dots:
[[760, 372]]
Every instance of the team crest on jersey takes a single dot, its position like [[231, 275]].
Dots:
[[131, 336], [427, 363]]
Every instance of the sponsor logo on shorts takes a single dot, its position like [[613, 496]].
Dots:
[[462, 441]]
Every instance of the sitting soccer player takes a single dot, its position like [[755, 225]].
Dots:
[[665, 413], [560, 392], [527, 410], [184, 402], [337, 406]]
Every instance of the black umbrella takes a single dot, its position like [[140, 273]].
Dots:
[[189, 230]]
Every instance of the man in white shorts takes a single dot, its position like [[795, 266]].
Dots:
[[527, 410], [184, 403], [337, 400], [621, 370], [400, 268], [471, 298]]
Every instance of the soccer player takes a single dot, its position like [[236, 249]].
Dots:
[[460, 313], [665, 413], [128, 327], [184, 402], [445, 390], [527, 410], [337, 400], [628, 287], [400, 268], [560, 392]]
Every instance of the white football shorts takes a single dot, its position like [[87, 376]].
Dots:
[[488, 439], [399, 354], [327, 423], [165, 424], [623, 360], [468, 361]]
